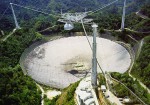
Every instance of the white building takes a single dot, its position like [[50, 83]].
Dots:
[[103, 88], [85, 95]]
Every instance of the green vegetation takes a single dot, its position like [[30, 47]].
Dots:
[[141, 68], [131, 84], [101, 79], [145, 10], [124, 78], [120, 91], [13, 47], [67, 96], [15, 87], [143, 26], [50, 102], [126, 34], [137, 23], [107, 21], [6, 24]]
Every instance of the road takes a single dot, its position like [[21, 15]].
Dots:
[[9, 35], [140, 47], [137, 31], [42, 95], [128, 89], [132, 38], [113, 99], [145, 87], [133, 59], [141, 15]]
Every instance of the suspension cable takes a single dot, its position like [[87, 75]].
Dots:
[[47, 28], [91, 12], [4, 12], [33, 9], [86, 34], [91, 46]]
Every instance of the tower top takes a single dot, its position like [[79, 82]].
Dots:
[[94, 25]]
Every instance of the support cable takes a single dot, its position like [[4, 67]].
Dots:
[[15, 19], [33, 9], [47, 28], [128, 89], [86, 34], [99, 64], [4, 12], [91, 46], [91, 12]]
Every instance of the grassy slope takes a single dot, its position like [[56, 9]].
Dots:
[[15, 88], [141, 68], [67, 96]]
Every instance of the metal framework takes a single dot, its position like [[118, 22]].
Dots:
[[74, 17]]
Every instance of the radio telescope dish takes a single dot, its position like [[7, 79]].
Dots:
[[63, 61]]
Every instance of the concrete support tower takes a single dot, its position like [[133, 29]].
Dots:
[[94, 60], [123, 15], [15, 19]]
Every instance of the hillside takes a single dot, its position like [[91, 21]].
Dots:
[[112, 14], [78, 5], [141, 68], [145, 11], [16, 88], [54, 6]]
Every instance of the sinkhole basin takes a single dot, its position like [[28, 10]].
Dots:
[[60, 62]]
